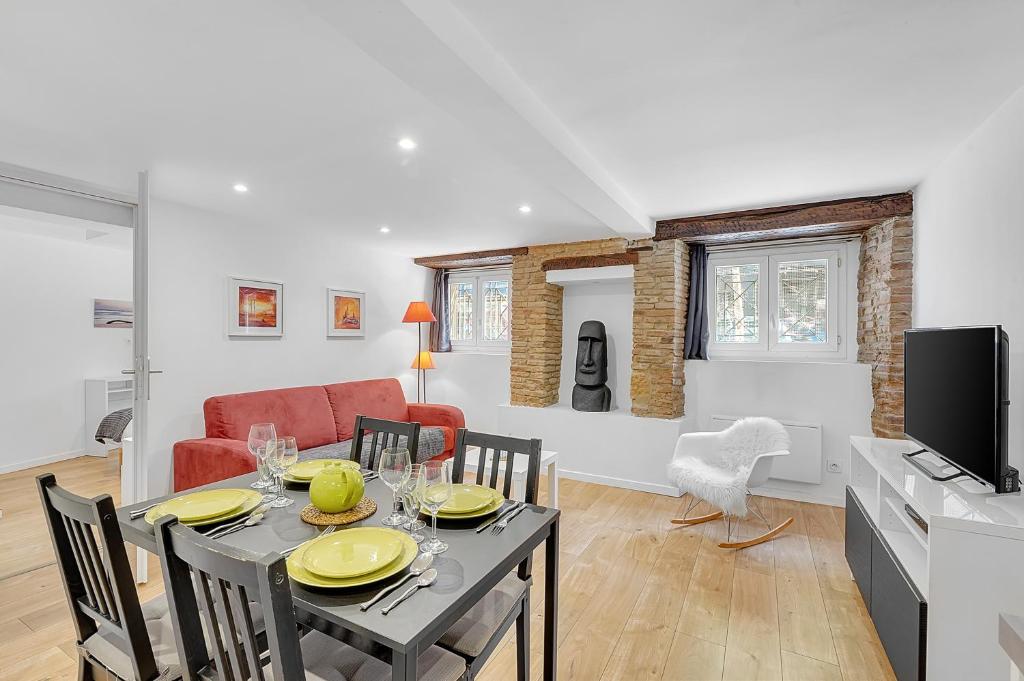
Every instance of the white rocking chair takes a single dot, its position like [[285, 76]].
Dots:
[[720, 468]]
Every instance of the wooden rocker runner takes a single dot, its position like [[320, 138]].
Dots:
[[720, 468]]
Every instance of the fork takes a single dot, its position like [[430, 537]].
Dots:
[[326, 530], [504, 523]]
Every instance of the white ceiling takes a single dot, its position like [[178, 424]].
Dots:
[[591, 111], [51, 226]]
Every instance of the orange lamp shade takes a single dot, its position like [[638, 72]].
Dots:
[[424, 360], [419, 311]]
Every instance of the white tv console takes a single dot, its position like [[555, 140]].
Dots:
[[952, 581]]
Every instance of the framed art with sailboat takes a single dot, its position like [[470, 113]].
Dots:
[[346, 313], [255, 307]]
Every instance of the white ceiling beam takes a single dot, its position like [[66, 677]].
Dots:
[[434, 49]]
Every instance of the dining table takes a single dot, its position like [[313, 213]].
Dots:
[[473, 564]]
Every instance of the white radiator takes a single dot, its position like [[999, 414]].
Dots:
[[804, 461]]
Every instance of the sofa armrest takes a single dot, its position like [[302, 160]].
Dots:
[[437, 415], [202, 461]]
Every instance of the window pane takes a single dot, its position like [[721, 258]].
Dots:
[[736, 294], [460, 310], [496, 310], [803, 301]]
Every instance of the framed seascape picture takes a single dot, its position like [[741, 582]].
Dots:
[[346, 313], [255, 308], [112, 314]]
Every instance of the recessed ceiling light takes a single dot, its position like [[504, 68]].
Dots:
[[384, 229], [407, 144], [524, 209], [241, 188]]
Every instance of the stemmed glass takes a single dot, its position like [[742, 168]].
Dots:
[[434, 489], [284, 453], [259, 435], [411, 503], [394, 469]]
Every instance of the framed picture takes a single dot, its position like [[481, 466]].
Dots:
[[112, 314], [255, 307], [346, 313]]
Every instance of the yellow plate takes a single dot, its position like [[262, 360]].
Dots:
[[208, 503], [251, 499], [351, 553], [304, 471], [489, 508], [469, 498], [304, 576]]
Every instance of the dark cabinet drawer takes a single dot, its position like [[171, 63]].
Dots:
[[899, 613], [859, 534]]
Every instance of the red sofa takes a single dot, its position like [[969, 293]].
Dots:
[[315, 415]]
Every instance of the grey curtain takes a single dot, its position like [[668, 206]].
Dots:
[[696, 346], [440, 340]]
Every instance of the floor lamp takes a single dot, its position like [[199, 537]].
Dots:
[[424, 360], [419, 312]]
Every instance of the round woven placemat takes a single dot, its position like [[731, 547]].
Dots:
[[364, 509]]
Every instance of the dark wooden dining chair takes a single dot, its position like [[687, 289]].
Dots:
[[214, 586], [115, 633], [382, 434], [478, 632]]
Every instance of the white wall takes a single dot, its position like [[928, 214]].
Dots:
[[968, 241], [610, 302], [49, 344], [192, 254], [474, 382]]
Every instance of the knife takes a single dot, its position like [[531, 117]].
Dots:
[[499, 516]]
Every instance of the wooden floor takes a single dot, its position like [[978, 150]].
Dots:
[[639, 598]]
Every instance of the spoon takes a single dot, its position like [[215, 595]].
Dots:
[[254, 519], [424, 580], [418, 567]]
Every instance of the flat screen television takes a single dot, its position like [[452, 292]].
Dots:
[[956, 396]]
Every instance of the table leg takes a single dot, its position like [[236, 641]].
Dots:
[[403, 666], [553, 485], [551, 603]]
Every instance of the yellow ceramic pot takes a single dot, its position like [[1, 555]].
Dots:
[[336, 488]]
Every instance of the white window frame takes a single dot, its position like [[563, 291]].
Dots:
[[477, 279], [768, 259]]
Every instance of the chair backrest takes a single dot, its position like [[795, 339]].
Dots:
[[206, 579], [748, 438], [97, 578], [496, 445], [383, 434]]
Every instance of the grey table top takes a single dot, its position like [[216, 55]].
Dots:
[[473, 564]]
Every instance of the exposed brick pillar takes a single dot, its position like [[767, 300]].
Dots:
[[660, 288], [884, 304], [537, 321]]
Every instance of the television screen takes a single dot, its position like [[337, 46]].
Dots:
[[952, 396]]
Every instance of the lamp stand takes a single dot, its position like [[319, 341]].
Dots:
[[419, 350]]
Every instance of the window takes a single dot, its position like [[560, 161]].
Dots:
[[479, 310], [778, 303]]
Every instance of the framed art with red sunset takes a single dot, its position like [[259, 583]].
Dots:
[[346, 313], [255, 307]]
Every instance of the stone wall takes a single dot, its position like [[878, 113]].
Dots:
[[884, 305], [661, 285]]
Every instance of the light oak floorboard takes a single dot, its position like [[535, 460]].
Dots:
[[639, 598]]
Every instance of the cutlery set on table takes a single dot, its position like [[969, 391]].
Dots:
[[354, 557]]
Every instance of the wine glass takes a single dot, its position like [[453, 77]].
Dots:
[[411, 503], [259, 435], [283, 455], [434, 489], [394, 471]]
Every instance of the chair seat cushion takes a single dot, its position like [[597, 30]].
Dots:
[[470, 635], [327, 659], [721, 488]]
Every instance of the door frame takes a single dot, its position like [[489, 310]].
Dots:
[[134, 481]]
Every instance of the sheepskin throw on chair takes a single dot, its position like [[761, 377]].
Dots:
[[721, 467]]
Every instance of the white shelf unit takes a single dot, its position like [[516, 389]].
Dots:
[[967, 566], [103, 396]]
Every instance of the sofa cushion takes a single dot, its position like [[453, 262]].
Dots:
[[379, 398], [302, 412], [432, 443]]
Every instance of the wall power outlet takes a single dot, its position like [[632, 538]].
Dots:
[[835, 467]]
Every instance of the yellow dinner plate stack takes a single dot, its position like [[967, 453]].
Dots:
[[471, 501], [207, 506], [303, 471], [354, 557]]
